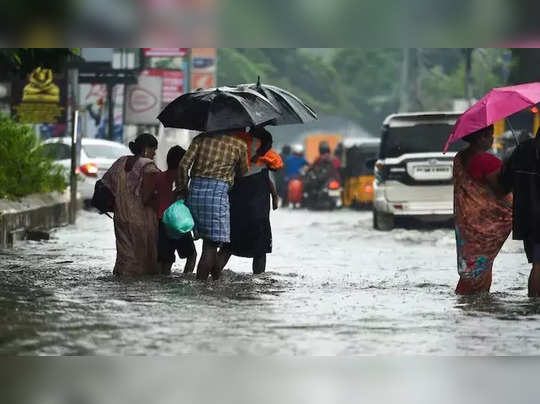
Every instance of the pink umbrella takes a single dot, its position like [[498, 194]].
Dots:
[[498, 104]]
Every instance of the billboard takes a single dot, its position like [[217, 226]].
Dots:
[[143, 100], [41, 97], [203, 80], [165, 52], [93, 99], [203, 67], [172, 83]]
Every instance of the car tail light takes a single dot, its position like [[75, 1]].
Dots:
[[89, 169], [333, 185], [368, 189]]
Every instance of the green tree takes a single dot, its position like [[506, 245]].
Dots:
[[24, 167], [371, 82], [525, 62]]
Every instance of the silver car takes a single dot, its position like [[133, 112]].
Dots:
[[412, 175], [97, 155]]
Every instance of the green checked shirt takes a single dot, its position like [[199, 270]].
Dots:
[[219, 157]]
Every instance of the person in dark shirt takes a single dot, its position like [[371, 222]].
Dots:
[[521, 174], [184, 246], [326, 158]]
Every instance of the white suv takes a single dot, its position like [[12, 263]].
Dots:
[[412, 175]]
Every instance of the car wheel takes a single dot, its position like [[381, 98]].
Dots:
[[383, 221]]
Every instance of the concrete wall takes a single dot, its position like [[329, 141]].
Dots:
[[31, 215]]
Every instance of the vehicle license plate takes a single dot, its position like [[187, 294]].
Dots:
[[433, 172], [334, 193]]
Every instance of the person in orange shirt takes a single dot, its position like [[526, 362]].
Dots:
[[251, 234]]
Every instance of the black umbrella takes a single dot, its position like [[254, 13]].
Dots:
[[218, 109], [292, 109]]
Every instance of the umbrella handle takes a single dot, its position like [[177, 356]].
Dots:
[[513, 133]]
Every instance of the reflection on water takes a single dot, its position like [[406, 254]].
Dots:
[[503, 306], [334, 286]]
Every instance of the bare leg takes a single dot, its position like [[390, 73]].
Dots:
[[223, 257], [190, 263], [534, 281], [259, 264], [207, 262]]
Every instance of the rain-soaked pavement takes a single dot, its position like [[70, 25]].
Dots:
[[334, 286]]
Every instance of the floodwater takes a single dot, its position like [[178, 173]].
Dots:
[[334, 286]]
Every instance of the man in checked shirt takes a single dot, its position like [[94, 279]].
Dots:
[[213, 161]]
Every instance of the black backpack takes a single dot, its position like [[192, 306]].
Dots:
[[103, 198]]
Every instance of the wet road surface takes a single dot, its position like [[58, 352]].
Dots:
[[334, 286]]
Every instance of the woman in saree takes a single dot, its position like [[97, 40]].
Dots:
[[131, 179], [483, 217]]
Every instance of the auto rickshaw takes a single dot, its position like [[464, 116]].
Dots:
[[357, 173]]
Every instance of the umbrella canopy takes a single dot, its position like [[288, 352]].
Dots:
[[498, 104], [292, 109], [218, 109]]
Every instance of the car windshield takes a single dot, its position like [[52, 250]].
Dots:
[[105, 151], [57, 151], [425, 138]]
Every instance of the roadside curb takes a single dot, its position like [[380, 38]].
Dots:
[[32, 216]]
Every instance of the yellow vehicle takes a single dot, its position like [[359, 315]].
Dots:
[[358, 173], [312, 144]]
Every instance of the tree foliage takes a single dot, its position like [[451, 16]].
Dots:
[[363, 84]]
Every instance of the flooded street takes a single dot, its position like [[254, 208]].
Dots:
[[334, 286]]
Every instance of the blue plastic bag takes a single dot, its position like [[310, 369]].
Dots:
[[177, 220]]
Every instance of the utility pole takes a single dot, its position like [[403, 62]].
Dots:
[[468, 75], [409, 100], [187, 76], [110, 103], [403, 94], [73, 87]]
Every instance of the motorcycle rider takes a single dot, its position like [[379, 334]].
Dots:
[[325, 157], [295, 166], [324, 173], [295, 163]]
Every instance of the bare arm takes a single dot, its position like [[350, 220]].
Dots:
[[273, 192], [186, 163]]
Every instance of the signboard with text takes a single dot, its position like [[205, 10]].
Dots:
[[203, 67], [172, 83], [171, 52]]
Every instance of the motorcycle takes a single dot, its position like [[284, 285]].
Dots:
[[322, 191]]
